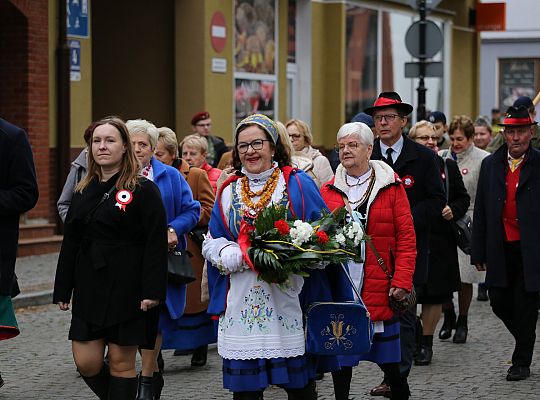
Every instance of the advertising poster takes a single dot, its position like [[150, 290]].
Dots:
[[254, 96], [255, 45], [517, 77]]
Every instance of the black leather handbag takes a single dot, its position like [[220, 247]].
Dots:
[[462, 228], [180, 270]]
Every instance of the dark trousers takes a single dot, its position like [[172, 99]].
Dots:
[[517, 308], [407, 336]]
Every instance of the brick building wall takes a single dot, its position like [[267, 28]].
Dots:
[[24, 85]]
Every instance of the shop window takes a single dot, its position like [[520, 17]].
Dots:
[[518, 77]]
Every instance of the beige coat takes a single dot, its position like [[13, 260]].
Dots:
[[469, 163], [321, 166]]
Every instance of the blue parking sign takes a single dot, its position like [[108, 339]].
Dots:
[[77, 18]]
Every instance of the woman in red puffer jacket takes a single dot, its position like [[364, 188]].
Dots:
[[375, 194]]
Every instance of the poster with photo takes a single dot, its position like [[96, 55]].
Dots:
[[254, 96], [517, 77], [255, 44]]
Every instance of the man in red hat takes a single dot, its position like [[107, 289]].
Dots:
[[201, 123], [506, 235], [417, 167]]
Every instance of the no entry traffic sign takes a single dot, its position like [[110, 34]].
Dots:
[[218, 31]]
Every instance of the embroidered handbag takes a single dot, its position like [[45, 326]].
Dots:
[[180, 270], [338, 328]]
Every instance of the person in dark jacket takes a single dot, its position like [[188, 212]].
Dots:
[[18, 194], [113, 263], [417, 167], [505, 235], [201, 124], [443, 274]]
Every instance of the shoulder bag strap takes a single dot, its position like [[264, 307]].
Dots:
[[103, 198], [355, 289], [380, 260]]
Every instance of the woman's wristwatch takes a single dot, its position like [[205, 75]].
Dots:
[[171, 229]]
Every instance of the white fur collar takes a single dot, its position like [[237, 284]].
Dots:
[[384, 176]]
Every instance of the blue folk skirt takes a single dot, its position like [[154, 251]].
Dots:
[[289, 373], [385, 348], [189, 331]]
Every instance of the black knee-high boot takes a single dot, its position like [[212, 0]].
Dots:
[[308, 392], [248, 395], [342, 383], [158, 383], [99, 383], [145, 389], [122, 388]]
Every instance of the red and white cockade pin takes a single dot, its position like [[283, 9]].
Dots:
[[123, 198], [408, 181], [443, 175]]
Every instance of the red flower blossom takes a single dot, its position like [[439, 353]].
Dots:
[[282, 227], [322, 237]]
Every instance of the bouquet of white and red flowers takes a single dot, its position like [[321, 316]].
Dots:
[[276, 246]]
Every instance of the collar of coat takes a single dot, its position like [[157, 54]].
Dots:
[[408, 152], [384, 177]]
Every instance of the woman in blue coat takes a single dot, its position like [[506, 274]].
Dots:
[[182, 215]]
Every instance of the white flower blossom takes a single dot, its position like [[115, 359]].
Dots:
[[340, 238], [301, 232]]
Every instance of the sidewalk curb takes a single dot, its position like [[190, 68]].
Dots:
[[33, 299]]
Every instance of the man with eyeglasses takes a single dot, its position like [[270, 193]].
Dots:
[[417, 167], [201, 124], [505, 234]]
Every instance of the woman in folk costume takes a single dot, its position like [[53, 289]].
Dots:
[[260, 335], [371, 191]]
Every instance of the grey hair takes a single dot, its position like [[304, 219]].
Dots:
[[483, 120], [143, 126], [358, 129], [169, 140]]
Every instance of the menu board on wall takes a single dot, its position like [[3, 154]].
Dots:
[[517, 77]]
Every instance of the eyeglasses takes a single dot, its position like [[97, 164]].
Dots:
[[425, 138], [341, 147], [204, 125], [257, 144], [295, 136], [387, 117]]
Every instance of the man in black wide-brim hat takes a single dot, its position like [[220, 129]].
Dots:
[[506, 234]]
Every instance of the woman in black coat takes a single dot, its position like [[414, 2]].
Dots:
[[113, 263], [443, 272]]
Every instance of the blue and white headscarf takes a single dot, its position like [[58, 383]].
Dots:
[[263, 121]]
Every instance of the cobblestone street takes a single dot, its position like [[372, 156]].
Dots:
[[38, 365]]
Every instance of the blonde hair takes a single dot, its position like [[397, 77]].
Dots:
[[135, 126], [168, 138], [129, 167], [421, 124], [303, 128], [284, 137], [196, 141]]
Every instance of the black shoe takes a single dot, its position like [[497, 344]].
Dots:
[[449, 323], [424, 356], [518, 373], [146, 388], [198, 359], [1, 381], [461, 330], [482, 293]]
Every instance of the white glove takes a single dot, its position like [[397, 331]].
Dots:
[[231, 258]]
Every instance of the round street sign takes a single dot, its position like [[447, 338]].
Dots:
[[434, 39], [218, 31]]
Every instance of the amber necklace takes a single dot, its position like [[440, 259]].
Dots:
[[265, 193]]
